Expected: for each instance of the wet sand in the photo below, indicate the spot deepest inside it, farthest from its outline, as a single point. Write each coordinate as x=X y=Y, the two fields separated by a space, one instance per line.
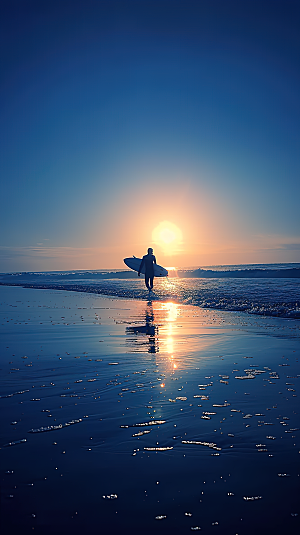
x=133 y=416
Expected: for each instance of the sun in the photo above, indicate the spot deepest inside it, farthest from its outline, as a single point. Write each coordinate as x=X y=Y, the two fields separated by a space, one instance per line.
x=168 y=237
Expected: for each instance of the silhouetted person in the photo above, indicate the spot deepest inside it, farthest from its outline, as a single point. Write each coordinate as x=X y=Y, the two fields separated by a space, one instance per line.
x=148 y=261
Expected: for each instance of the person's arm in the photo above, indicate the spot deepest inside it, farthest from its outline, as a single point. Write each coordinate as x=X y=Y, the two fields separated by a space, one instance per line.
x=141 y=266
x=154 y=260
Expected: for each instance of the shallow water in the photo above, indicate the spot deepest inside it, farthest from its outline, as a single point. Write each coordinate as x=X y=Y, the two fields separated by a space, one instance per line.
x=277 y=296
x=121 y=415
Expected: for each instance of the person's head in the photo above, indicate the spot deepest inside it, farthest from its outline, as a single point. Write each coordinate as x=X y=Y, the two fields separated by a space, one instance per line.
x=150 y=250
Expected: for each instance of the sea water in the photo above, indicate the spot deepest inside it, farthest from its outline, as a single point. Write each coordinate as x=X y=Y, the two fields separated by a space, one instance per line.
x=264 y=289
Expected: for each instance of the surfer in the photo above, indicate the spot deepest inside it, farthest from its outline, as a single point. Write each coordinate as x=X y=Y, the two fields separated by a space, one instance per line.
x=148 y=261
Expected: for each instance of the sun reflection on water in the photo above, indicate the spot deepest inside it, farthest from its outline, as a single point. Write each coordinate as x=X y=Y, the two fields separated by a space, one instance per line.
x=171 y=312
x=169 y=332
x=156 y=330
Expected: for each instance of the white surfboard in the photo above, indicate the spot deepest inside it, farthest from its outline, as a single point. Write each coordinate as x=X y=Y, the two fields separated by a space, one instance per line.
x=134 y=263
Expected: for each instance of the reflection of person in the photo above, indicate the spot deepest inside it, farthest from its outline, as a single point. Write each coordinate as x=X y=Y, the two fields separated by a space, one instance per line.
x=148 y=261
x=138 y=333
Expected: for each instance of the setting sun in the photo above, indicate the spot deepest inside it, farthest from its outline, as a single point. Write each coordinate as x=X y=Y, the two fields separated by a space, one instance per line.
x=168 y=237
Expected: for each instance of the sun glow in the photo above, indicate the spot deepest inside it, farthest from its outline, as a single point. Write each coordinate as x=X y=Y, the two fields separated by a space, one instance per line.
x=168 y=237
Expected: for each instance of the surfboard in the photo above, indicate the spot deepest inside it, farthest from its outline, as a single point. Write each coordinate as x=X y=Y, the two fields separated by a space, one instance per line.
x=134 y=263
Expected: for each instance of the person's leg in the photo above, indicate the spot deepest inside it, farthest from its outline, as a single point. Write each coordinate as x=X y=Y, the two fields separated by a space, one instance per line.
x=147 y=282
x=151 y=283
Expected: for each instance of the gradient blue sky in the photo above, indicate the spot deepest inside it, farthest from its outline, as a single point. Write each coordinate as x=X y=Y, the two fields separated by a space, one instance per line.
x=118 y=115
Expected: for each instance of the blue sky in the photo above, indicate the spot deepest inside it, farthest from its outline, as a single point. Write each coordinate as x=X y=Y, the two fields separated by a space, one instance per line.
x=119 y=115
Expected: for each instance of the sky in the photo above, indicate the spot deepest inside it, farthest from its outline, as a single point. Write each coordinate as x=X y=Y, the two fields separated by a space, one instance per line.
x=171 y=124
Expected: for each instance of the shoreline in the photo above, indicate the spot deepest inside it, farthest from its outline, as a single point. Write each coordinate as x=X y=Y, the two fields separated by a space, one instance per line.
x=169 y=404
x=94 y=290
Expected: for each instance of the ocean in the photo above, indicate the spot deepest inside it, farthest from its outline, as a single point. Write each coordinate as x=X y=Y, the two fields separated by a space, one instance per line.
x=263 y=289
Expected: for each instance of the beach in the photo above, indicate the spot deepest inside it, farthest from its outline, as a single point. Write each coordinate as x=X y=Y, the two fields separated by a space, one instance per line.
x=123 y=415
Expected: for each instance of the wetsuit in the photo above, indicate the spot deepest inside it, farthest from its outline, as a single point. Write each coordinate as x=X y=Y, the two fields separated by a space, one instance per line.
x=148 y=261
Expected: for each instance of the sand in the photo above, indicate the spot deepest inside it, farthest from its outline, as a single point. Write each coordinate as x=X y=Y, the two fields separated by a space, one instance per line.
x=133 y=416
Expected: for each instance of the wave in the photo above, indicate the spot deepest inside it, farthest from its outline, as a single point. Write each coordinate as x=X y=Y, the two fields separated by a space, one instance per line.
x=270 y=290
x=250 y=273
x=267 y=301
x=236 y=271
